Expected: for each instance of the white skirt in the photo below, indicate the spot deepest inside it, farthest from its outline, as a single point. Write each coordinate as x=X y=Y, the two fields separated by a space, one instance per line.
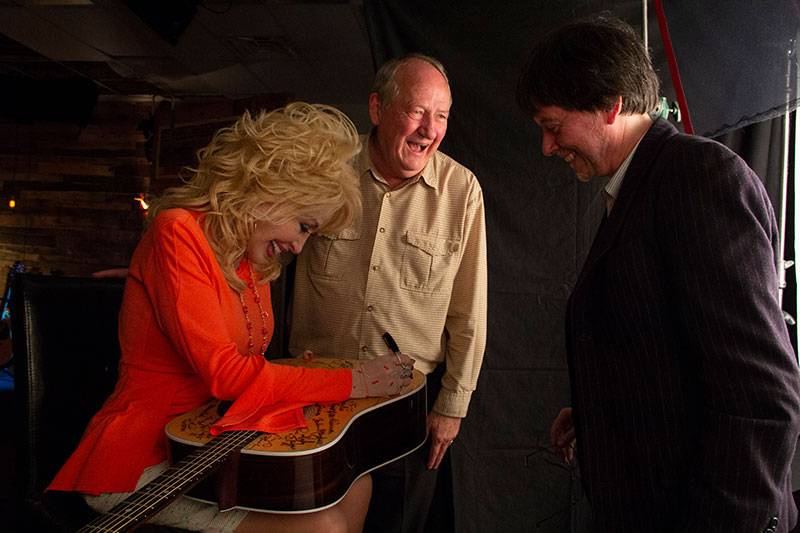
x=183 y=513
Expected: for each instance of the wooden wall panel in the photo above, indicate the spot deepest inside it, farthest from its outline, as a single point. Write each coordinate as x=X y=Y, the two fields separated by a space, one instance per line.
x=74 y=189
x=180 y=131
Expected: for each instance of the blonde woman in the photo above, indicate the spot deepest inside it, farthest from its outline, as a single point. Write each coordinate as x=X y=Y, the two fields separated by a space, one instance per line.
x=196 y=315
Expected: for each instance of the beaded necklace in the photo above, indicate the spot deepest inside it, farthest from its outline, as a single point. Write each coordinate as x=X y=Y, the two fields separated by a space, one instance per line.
x=264 y=331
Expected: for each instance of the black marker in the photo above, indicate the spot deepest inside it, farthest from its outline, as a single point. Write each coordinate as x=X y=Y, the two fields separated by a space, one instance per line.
x=407 y=369
x=387 y=338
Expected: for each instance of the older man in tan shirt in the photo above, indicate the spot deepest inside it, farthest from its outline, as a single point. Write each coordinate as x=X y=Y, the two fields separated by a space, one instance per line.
x=415 y=266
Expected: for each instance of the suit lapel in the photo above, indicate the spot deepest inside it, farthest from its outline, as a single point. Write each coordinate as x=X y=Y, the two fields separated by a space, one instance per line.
x=638 y=172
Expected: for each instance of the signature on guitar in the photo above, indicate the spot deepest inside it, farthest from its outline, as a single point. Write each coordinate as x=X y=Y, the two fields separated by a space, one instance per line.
x=310 y=468
x=296 y=471
x=325 y=422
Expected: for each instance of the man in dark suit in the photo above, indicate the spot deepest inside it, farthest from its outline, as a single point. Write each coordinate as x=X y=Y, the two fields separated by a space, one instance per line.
x=685 y=389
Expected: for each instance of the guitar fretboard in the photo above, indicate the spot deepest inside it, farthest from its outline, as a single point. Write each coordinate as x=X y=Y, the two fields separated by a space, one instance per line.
x=174 y=481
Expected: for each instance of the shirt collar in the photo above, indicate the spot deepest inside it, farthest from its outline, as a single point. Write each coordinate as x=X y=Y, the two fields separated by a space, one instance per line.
x=428 y=174
x=612 y=187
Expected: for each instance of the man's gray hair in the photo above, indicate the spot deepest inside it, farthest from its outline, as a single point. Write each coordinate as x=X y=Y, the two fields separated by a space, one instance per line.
x=385 y=84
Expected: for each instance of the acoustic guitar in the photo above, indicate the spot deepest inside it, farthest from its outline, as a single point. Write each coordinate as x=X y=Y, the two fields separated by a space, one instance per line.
x=297 y=471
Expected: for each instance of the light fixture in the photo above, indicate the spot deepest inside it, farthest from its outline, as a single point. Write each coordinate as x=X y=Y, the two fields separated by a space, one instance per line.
x=142 y=202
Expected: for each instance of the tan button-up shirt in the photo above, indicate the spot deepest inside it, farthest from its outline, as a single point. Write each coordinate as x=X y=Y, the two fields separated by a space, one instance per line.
x=415 y=267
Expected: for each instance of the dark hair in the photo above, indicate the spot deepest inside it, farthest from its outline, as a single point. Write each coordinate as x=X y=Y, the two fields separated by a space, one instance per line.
x=585 y=66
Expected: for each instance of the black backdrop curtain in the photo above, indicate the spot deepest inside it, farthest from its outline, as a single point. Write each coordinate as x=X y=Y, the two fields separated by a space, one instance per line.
x=540 y=223
x=737 y=59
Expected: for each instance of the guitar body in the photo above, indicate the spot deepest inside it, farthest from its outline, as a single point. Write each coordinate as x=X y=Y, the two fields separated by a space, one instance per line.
x=310 y=468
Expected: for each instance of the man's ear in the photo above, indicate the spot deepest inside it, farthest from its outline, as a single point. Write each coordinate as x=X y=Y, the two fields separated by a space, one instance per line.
x=374 y=109
x=614 y=111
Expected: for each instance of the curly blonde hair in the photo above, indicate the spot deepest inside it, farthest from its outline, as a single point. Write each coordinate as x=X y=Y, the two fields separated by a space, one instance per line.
x=275 y=167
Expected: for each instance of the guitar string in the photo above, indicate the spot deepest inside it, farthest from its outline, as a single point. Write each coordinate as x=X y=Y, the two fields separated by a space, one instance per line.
x=175 y=477
x=215 y=453
x=207 y=458
x=115 y=519
x=208 y=454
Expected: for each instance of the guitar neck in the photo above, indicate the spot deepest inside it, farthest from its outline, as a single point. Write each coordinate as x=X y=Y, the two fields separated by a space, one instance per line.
x=173 y=482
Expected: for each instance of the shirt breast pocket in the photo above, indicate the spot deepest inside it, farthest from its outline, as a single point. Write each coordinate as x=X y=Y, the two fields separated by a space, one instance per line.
x=429 y=262
x=329 y=257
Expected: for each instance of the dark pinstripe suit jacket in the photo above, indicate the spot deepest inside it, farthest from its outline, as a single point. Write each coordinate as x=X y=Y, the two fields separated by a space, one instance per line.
x=684 y=382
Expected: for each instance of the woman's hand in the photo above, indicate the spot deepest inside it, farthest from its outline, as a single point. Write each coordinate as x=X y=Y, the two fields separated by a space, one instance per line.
x=385 y=375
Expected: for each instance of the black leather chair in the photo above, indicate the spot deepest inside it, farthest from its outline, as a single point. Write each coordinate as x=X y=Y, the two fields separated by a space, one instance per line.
x=64 y=340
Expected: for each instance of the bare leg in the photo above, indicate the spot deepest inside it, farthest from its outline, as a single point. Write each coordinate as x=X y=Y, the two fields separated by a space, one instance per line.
x=354 y=505
x=347 y=516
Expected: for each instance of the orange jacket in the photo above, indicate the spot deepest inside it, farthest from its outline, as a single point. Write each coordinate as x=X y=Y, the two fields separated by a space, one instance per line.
x=184 y=340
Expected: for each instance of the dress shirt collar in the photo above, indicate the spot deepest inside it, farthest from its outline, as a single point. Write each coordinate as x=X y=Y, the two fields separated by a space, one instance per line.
x=365 y=162
x=611 y=189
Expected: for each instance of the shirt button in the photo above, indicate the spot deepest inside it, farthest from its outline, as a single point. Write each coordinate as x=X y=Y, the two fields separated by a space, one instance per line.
x=363 y=348
x=382 y=230
x=387 y=195
x=374 y=267
x=370 y=308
